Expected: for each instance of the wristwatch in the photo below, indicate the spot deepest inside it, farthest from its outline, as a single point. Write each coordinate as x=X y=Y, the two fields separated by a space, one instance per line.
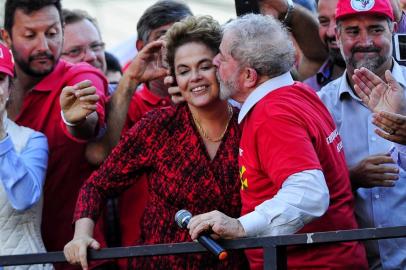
x=288 y=16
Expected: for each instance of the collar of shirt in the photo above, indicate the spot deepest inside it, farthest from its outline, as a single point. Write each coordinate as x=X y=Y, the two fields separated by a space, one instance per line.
x=345 y=88
x=262 y=90
x=150 y=97
x=323 y=76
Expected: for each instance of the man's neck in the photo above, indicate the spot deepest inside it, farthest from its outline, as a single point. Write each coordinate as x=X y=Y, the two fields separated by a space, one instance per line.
x=24 y=81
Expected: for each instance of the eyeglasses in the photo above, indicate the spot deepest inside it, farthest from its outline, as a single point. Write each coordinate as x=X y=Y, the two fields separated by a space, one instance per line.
x=81 y=50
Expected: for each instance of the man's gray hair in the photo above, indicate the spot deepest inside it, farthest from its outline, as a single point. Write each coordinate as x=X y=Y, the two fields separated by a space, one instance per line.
x=262 y=43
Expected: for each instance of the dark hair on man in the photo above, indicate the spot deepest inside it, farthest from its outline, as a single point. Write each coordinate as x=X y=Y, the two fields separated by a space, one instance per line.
x=159 y=14
x=112 y=62
x=77 y=15
x=27 y=6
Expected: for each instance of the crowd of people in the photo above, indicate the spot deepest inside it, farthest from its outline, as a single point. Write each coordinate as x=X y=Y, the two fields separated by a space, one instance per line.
x=289 y=121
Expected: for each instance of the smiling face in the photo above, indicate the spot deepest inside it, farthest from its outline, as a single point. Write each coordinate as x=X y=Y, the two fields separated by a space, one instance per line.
x=36 y=40
x=196 y=74
x=327 y=26
x=366 y=41
x=83 y=43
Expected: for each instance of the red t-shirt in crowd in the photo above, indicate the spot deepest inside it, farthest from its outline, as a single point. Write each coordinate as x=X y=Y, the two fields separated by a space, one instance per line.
x=67 y=166
x=286 y=132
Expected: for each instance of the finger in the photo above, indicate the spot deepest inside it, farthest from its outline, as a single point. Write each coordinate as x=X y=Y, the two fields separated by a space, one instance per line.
x=369 y=78
x=94 y=244
x=68 y=253
x=85 y=91
x=393 y=138
x=90 y=98
x=392 y=82
x=169 y=81
x=383 y=183
x=83 y=84
x=89 y=107
x=380 y=159
x=392 y=117
x=82 y=255
x=362 y=94
x=151 y=48
x=386 y=169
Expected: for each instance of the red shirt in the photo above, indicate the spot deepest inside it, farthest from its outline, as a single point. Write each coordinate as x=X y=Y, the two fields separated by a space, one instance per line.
x=143 y=101
x=286 y=132
x=67 y=166
x=166 y=145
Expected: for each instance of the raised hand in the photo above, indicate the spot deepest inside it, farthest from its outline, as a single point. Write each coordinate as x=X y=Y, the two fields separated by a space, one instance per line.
x=173 y=90
x=377 y=94
x=148 y=64
x=78 y=101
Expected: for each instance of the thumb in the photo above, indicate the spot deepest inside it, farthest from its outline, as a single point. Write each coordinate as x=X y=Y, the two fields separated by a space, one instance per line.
x=94 y=244
x=390 y=79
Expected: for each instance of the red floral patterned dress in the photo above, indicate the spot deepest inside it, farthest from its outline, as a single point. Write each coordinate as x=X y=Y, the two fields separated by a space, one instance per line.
x=166 y=145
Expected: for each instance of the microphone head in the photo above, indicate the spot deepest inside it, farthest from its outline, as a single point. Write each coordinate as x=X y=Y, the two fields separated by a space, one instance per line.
x=182 y=218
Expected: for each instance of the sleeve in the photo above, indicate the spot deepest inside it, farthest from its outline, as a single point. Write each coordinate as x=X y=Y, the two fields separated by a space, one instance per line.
x=303 y=197
x=23 y=175
x=285 y=147
x=133 y=156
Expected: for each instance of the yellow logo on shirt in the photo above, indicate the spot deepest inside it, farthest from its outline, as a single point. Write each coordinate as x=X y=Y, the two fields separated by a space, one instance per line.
x=244 y=182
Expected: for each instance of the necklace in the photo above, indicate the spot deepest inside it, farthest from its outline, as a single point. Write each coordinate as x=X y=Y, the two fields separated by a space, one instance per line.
x=204 y=133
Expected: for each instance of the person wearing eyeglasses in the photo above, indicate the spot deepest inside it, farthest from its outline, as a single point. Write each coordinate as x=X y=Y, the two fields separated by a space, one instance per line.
x=82 y=39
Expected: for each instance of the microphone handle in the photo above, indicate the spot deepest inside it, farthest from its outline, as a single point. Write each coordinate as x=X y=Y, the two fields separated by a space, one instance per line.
x=213 y=247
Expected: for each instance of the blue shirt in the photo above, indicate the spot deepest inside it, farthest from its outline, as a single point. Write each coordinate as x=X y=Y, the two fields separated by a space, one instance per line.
x=22 y=175
x=378 y=206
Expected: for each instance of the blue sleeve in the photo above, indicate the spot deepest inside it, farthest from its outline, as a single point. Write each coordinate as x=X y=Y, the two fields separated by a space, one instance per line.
x=22 y=175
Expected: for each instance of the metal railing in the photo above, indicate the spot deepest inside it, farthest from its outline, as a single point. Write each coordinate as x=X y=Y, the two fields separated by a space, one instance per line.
x=274 y=247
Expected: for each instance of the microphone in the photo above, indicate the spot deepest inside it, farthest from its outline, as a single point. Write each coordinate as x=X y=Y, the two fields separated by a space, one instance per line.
x=183 y=217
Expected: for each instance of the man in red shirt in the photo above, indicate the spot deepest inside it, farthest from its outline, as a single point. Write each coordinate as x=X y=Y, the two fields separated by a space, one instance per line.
x=33 y=31
x=292 y=167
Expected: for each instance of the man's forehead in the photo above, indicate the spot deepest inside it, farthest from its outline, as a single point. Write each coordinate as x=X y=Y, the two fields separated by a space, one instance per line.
x=48 y=15
x=365 y=18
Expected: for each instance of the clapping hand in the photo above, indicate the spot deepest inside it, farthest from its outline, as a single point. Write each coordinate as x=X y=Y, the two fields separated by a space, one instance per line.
x=386 y=99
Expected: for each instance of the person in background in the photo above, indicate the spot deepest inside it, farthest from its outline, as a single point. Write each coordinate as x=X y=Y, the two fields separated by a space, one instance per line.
x=82 y=39
x=64 y=101
x=23 y=163
x=292 y=167
x=189 y=153
x=364 y=34
x=113 y=71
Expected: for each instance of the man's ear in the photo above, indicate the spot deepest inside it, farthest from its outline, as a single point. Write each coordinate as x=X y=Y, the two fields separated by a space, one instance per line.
x=6 y=37
x=139 y=44
x=250 y=77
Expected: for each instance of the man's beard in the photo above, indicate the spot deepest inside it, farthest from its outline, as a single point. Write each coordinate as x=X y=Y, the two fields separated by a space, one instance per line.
x=26 y=66
x=227 y=88
x=335 y=56
x=373 y=63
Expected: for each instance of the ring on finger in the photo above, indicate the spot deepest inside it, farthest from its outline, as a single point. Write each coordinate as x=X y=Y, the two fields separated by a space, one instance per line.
x=391 y=131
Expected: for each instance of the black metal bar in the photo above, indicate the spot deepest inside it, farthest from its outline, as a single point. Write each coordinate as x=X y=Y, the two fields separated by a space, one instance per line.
x=244 y=243
x=270 y=258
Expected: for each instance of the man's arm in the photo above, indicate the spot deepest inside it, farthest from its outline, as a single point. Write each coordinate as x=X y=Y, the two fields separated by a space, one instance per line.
x=144 y=67
x=303 y=197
